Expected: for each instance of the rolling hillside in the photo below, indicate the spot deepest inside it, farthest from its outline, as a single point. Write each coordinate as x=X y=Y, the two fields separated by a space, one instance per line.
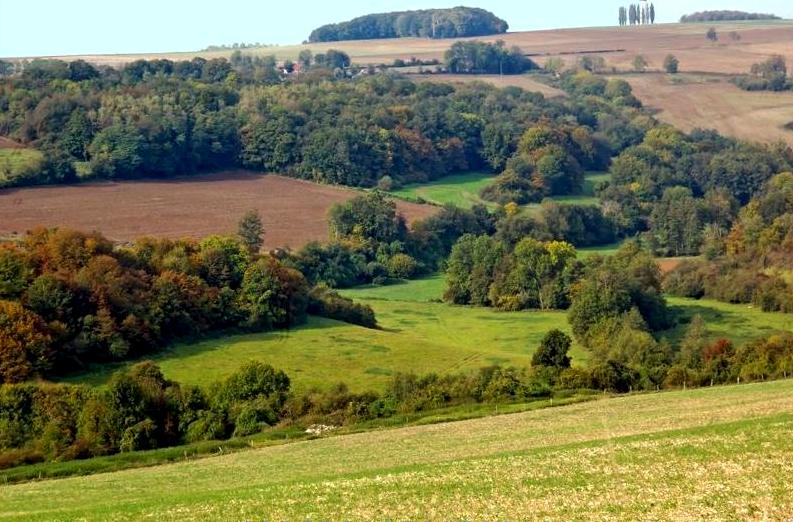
x=717 y=454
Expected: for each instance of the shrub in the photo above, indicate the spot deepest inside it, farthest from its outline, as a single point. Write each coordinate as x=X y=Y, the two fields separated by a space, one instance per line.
x=402 y=266
x=324 y=302
x=671 y=64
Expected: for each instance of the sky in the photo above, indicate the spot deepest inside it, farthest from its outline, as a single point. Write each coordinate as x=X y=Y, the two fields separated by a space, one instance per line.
x=63 y=27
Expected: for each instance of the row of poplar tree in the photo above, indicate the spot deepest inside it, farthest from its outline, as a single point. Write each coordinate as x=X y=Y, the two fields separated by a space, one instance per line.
x=637 y=14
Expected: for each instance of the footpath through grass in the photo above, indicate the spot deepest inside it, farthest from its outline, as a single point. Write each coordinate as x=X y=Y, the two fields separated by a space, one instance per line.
x=708 y=454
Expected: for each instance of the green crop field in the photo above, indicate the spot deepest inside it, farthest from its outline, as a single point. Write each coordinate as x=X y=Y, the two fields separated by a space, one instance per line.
x=708 y=454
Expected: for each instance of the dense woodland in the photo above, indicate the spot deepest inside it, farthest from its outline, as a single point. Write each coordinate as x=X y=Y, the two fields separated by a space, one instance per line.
x=429 y=23
x=725 y=16
x=70 y=299
x=163 y=119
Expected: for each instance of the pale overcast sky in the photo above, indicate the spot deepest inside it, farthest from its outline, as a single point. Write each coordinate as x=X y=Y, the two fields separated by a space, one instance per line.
x=59 y=27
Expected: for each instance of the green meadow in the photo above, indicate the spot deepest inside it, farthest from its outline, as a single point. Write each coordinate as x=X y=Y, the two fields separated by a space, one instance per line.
x=461 y=190
x=415 y=335
x=718 y=453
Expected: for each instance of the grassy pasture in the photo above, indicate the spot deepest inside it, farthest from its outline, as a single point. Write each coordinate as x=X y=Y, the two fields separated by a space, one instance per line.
x=737 y=322
x=416 y=336
x=709 y=454
x=461 y=190
x=419 y=334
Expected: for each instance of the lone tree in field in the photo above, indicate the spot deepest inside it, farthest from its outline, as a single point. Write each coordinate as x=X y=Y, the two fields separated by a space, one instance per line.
x=251 y=231
x=640 y=63
x=712 y=35
x=671 y=64
x=652 y=13
x=553 y=350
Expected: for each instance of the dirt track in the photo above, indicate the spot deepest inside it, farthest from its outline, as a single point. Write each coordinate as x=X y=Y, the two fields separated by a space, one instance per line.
x=293 y=211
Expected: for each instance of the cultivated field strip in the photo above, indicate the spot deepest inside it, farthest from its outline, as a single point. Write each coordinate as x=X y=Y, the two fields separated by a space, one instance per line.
x=709 y=454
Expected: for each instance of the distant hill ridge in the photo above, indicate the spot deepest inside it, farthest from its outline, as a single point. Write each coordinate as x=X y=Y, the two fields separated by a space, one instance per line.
x=429 y=23
x=725 y=16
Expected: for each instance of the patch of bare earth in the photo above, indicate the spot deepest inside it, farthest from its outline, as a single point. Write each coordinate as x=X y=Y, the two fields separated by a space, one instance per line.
x=294 y=212
x=522 y=81
x=6 y=143
x=697 y=101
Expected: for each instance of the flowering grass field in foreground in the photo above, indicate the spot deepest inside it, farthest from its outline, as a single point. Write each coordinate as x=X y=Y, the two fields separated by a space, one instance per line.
x=710 y=454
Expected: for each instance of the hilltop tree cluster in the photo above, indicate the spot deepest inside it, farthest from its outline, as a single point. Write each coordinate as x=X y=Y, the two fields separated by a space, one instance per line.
x=637 y=14
x=457 y=22
x=725 y=16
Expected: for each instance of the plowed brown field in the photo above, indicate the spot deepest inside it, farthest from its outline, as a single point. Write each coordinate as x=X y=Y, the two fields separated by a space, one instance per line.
x=294 y=212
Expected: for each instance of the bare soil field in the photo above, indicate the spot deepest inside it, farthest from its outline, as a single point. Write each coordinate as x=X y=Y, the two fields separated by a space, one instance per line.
x=696 y=101
x=523 y=81
x=618 y=45
x=293 y=211
x=6 y=143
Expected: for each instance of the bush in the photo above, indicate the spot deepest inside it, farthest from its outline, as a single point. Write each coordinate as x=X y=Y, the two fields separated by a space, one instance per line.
x=208 y=426
x=402 y=266
x=324 y=302
x=671 y=64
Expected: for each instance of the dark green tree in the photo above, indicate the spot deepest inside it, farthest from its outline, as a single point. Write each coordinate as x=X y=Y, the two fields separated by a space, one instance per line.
x=251 y=231
x=552 y=351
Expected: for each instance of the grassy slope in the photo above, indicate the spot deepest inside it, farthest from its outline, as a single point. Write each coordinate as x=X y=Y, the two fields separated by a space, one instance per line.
x=739 y=323
x=416 y=336
x=463 y=191
x=720 y=453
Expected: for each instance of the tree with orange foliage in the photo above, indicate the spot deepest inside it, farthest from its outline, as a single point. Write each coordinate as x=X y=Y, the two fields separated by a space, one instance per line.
x=24 y=343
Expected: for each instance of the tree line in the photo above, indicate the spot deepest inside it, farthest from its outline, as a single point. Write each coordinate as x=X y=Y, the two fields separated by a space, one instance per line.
x=725 y=16
x=474 y=57
x=70 y=299
x=748 y=262
x=162 y=118
x=637 y=14
x=457 y=22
